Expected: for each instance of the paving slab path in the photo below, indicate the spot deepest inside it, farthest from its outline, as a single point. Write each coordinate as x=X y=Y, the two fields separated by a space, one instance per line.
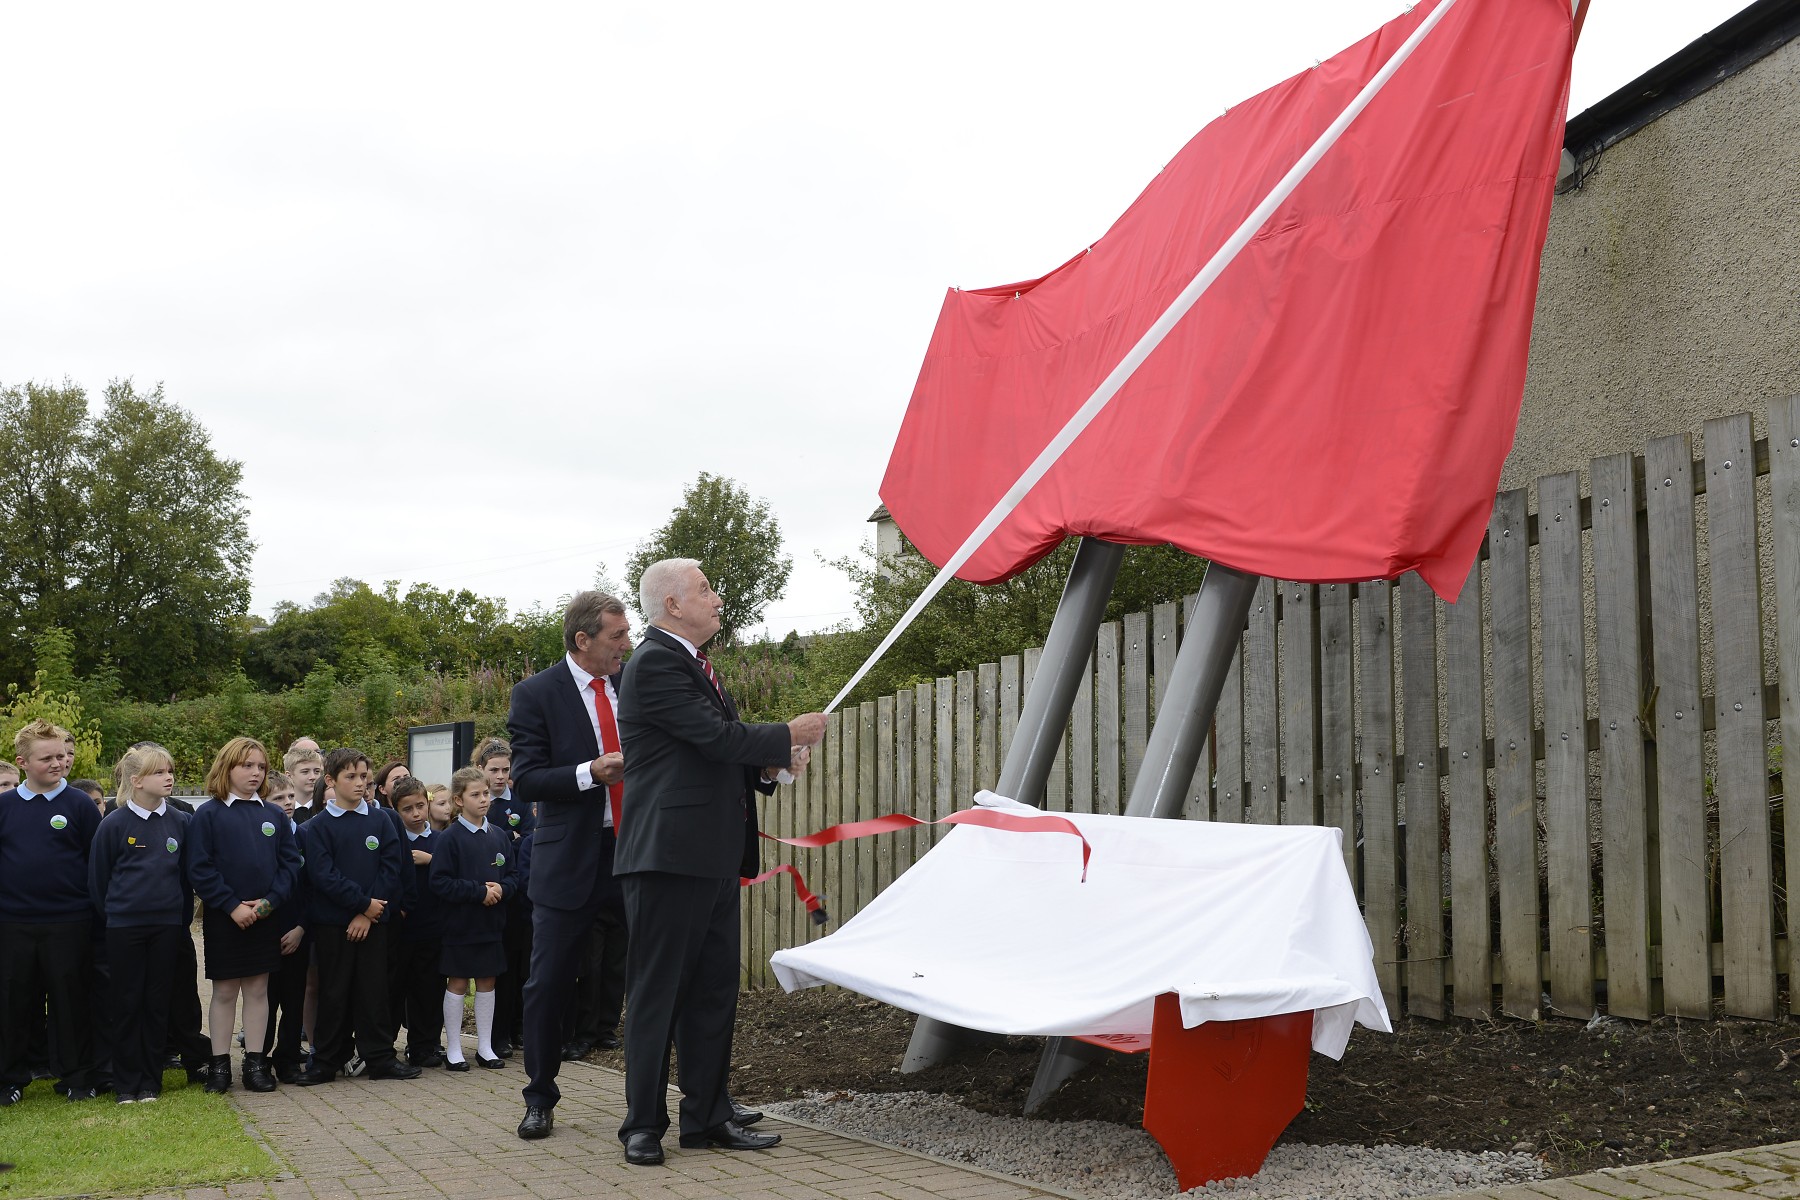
x=1767 y=1171
x=449 y=1134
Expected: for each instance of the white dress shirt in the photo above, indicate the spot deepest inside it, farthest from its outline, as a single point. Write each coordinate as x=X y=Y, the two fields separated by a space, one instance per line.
x=584 y=772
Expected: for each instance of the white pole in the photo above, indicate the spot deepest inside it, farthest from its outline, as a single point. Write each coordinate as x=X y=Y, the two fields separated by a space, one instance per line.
x=1152 y=337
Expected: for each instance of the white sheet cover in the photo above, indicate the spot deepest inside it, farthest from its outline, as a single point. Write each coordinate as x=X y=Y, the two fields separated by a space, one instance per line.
x=995 y=931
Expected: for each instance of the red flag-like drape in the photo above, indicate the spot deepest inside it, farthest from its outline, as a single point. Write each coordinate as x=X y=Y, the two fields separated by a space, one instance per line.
x=1338 y=405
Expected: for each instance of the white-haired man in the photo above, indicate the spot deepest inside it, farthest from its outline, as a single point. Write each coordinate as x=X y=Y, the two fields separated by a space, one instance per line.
x=688 y=834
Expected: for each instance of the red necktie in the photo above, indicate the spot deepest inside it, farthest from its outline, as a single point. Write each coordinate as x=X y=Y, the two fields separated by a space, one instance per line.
x=609 y=743
x=712 y=676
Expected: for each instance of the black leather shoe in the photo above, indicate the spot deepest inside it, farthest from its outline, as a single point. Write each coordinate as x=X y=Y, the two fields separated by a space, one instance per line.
x=393 y=1068
x=729 y=1135
x=608 y=1041
x=491 y=1064
x=644 y=1150
x=287 y=1073
x=218 y=1074
x=456 y=1066
x=576 y=1051
x=256 y=1074
x=313 y=1076
x=536 y=1124
x=744 y=1117
x=503 y=1048
x=431 y=1058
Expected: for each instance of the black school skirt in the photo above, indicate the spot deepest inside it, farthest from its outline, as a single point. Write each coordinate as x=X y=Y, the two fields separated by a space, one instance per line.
x=233 y=953
x=474 y=960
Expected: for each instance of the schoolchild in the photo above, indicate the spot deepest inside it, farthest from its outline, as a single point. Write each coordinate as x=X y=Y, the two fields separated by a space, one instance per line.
x=243 y=863
x=287 y=983
x=46 y=916
x=516 y=818
x=138 y=881
x=353 y=868
x=441 y=807
x=95 y=792
x=303 y=765
x=473 y=873
x=415 y=985
x=186 y=1046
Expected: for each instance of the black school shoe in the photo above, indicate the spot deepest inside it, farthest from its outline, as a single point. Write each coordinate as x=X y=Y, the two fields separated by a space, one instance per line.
x=457 y=1066
x=392 y=1068
x=492 y=1064
x=315 y=1075
x=428 y=1059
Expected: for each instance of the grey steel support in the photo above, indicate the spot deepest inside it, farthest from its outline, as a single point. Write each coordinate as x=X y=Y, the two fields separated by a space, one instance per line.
x=1041 y=727
x=1189 y=700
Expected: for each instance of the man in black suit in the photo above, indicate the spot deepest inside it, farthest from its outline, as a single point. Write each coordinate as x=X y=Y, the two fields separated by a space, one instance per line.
x=566 y=761
x=690 y=833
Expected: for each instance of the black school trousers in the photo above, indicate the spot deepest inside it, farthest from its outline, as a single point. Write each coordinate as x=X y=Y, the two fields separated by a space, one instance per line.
x=287 y=1002
x=144 y=960
x=416 y=994
x=353 y=997
x=51 y=960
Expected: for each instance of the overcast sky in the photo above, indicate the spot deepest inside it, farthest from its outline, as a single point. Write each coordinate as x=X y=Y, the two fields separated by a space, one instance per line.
x=473 y=291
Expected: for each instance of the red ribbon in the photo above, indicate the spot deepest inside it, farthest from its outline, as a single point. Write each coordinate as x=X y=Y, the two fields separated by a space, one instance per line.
x=989 y=818
x=801 y=893
x=986 y=817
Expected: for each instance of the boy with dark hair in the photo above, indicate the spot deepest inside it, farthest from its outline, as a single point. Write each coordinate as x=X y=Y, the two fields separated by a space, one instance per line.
x=353 y=866
x=415 y=984
x=46 y=915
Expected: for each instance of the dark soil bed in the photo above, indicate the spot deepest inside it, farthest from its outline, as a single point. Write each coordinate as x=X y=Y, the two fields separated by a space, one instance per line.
x=1622 y=1093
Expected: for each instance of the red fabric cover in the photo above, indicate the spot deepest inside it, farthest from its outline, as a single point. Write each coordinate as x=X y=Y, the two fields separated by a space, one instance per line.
x=1339 y=404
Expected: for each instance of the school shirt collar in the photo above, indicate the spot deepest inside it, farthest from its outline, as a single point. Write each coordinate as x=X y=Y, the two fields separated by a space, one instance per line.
x=481 y=828
x=416 y=837
x=26 y=793
x=332 y=809
x=233 y=798
x=146 y=813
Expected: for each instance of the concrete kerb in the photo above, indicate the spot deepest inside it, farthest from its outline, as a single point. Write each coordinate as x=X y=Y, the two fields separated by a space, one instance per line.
x=945 y=1162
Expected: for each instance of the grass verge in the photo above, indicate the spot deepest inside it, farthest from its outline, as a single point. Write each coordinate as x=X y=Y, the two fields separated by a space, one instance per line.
x=188 y=1138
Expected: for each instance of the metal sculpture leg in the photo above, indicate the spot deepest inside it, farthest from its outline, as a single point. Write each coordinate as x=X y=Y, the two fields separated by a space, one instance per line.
x=1189 y=700
x=1041 y=727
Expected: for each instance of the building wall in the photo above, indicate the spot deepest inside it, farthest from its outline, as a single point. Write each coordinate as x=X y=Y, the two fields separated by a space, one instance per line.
x=1671 y=279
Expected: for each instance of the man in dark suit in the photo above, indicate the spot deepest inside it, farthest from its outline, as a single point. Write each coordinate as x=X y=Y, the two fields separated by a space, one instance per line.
x=690 y=833
x=566 y=761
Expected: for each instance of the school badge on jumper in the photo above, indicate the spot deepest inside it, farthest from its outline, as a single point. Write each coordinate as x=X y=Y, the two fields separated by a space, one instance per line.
x=268 y=829
x=171 y=845
x=499 y=860
x=131 y=841
x=372 y=842
x=59 y=822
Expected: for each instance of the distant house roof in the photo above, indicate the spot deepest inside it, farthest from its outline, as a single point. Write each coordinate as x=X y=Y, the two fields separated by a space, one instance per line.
x=1754 y=33
x=881 y=514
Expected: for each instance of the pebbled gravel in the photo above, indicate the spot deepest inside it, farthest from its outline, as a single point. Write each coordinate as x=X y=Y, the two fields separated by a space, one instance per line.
x=1095 y=1158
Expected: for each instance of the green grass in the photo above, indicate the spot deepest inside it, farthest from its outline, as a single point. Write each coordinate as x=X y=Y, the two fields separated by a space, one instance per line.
x=97 y=1147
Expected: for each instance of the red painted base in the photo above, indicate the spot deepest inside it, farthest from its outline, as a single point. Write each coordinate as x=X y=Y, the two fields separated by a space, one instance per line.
x=1221 y=1093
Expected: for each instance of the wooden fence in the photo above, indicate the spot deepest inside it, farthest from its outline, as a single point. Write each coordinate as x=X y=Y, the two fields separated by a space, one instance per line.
x=1559 y=794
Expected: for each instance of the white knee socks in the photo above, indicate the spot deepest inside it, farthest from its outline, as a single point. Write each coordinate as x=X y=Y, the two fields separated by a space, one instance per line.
x=453 y=1019
x=484 y=1024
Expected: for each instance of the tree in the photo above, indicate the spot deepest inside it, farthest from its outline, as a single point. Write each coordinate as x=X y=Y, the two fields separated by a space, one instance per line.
x=737 y=542
x=127 y=530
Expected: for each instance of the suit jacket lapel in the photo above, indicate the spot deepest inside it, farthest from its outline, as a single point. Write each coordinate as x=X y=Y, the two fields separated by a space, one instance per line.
x=579 y=701
x=693 y=664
